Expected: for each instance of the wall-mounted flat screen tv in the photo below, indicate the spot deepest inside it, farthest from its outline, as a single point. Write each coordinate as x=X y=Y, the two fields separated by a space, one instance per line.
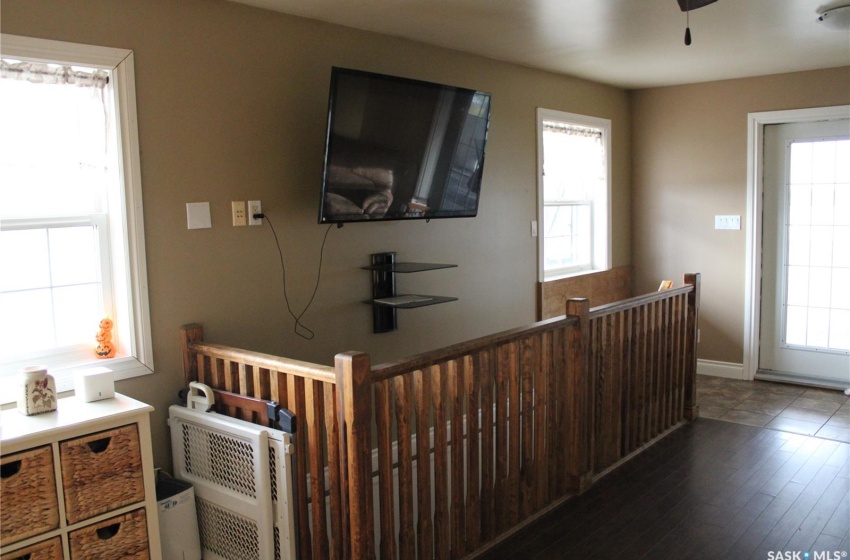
x=399 y=149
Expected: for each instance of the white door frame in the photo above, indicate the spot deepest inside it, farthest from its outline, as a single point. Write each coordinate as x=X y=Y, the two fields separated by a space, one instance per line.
x=755 y=188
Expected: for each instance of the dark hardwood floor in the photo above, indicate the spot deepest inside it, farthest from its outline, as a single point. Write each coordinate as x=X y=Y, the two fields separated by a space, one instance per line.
x=709 y=490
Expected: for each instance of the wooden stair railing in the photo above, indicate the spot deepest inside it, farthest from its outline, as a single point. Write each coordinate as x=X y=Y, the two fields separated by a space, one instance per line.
x=514 y=423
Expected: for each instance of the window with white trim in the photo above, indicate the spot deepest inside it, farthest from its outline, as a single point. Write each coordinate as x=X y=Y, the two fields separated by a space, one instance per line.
x=71 y=227
x=574 y=193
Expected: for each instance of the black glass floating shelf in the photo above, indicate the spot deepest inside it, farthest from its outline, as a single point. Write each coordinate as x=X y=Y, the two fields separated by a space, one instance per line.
x=432 y=300
x=404 y=267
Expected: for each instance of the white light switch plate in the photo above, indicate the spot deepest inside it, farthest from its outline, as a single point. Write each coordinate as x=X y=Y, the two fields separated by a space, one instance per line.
x=198 y=215
x=727 y=222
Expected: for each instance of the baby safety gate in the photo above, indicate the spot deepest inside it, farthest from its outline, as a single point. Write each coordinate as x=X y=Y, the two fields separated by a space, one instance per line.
x=242 y=479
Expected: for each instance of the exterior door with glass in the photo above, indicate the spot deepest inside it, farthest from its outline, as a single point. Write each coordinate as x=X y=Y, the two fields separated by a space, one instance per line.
x=805 y=309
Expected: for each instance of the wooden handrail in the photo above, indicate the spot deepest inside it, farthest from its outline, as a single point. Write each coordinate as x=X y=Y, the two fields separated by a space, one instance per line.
x=307 y=370
x=394 y=368
x=618 y=306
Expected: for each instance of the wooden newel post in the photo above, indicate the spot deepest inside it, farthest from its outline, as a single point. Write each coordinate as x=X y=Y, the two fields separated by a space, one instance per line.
x=189 y=334
x=579 y=398
x=691 y=405
x=354 y=411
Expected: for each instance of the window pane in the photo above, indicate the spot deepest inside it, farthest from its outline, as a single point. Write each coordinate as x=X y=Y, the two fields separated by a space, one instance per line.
x=73 y=255
x=839 y=329
x=24 y=259
x=573 y=165
x=798 y=285
x=842 y=204
x=798 y=245
x=823 y=162
x=78 y=310
x=841 y=288
x=841 y=247
x=821 y=246
x=799 y=213
x=26 y=322
x=822 y=203
x=817 y=332
x=820 y=279
x=52 y=149
x=801 y=162
x=567 y=238
x=842 y=161
x=796 y=326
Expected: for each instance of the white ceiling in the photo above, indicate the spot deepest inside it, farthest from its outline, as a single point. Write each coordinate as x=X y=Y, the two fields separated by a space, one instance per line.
x=626 y=43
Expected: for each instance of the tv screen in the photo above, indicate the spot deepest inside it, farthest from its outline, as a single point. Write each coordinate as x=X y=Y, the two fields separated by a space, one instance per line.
x=400 y=149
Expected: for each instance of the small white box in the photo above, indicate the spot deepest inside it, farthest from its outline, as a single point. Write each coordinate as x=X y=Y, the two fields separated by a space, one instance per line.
x=94 y=384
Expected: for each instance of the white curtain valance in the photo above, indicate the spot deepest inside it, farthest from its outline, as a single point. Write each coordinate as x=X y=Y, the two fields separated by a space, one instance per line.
x=572 y=129
x=37 y=72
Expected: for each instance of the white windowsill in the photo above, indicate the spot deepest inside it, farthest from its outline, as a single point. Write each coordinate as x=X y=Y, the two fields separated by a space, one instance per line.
x=574 y=274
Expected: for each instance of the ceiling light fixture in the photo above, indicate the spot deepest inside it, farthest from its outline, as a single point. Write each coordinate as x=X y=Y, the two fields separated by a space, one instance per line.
x=836 y=18
x=688 y=5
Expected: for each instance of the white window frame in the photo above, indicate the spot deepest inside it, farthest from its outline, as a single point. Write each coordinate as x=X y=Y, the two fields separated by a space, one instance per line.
x=600 y=205
x=126 y=218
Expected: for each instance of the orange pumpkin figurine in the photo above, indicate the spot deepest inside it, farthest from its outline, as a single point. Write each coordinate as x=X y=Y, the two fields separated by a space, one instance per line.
x=105 y=348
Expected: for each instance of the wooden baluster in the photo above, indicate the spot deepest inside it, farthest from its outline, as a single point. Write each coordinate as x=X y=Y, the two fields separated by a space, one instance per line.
x=332 y=439
x=500 y=490
x=597 y=374
x=579 y=391
x=617 y=376
x=314 y=408
x=203 y=369
x=527 y=365
x=383 y=407
x=555 y=428
x=454 y=396
x=471 y=376
x=656 y=367
x=677 y=359
x=442 y=541
x=238 y=371
x=629 y=413
x=542 y=435
x=665 y=310
x=612 y=401
x=403 y=385
x=297 y=405
x=485 y=363
x=425 y=527
x=637 y=375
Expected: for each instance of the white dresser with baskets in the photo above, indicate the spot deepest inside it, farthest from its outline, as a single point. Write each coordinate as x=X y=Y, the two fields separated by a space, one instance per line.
x=78 y=483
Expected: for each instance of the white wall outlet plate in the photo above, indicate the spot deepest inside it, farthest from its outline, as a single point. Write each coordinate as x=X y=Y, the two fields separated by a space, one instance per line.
x=727 y=222
x=237 y=208
x=254 y=207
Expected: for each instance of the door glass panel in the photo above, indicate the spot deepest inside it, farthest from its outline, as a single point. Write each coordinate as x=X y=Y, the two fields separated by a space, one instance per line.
x=817 y=264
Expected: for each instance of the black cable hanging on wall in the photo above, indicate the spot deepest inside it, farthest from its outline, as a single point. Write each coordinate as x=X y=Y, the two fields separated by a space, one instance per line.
x=307 y=333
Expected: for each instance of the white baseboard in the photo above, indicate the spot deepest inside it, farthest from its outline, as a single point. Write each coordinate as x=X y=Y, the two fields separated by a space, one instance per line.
x=720 y=369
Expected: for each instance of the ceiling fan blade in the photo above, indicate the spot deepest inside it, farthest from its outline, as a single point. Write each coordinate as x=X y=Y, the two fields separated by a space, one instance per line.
x=691 y=5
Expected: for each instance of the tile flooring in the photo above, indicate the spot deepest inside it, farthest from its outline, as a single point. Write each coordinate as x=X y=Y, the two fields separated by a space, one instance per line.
x=822 y=413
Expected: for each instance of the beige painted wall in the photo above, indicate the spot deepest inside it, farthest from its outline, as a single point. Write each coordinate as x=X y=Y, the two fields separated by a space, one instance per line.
x=232 y=103
x=689 y=163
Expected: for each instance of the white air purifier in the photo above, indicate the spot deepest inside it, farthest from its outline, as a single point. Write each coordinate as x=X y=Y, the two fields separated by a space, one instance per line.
x=178 y=520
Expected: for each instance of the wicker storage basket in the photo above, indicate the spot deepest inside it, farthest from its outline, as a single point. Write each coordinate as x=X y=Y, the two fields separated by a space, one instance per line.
x=28 y=503
x=50 y=549
x=101 y=472
x=124 y=536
